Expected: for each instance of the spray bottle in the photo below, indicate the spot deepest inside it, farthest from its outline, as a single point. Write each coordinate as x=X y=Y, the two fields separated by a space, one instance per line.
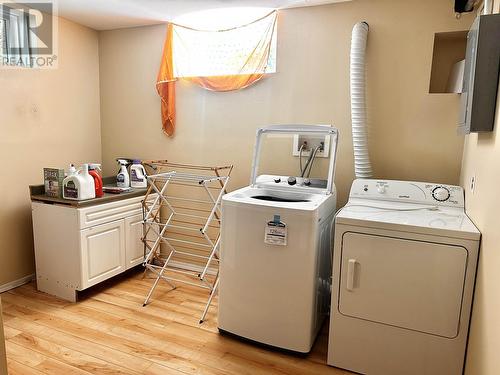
x=123 y=178
x=93 y=167
x=138 y=175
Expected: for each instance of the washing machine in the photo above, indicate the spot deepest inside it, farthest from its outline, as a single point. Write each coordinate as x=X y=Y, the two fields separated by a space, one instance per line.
x=405 y=258
x=275 y=258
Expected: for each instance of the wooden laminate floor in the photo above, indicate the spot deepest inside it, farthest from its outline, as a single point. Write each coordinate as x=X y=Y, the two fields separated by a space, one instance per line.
x=109 y=332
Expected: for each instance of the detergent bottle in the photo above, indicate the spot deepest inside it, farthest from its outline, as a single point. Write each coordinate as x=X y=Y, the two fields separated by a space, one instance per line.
x=88 y=187
x=138 y=175
x=71 y=184
x=123 y=178
x=93 y=168
x=79 y=184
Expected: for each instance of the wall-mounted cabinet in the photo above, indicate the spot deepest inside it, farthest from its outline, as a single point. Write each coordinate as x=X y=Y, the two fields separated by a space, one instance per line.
x=480 y=84
x=447 y=62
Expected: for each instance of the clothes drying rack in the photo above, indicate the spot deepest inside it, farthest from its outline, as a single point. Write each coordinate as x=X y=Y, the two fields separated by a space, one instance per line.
x=188 y=227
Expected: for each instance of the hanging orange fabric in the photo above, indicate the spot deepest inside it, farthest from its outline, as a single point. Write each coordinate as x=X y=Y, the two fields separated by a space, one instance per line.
x=246 y=65
x=226 y=83
x=165 y=85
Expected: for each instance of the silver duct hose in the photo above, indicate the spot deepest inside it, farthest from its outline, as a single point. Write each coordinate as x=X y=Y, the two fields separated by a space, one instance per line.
x=362 y=165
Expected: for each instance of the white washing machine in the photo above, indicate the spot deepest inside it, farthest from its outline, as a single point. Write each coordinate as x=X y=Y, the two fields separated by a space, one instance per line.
x=275 y=260
x=405 y=258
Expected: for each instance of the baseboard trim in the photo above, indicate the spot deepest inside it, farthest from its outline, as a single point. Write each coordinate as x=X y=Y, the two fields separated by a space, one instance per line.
x=14 y=284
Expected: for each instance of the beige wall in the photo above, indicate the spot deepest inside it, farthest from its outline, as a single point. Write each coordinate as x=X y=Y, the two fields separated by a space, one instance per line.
x=449 y=48
x=3 y=360
x=48 y=119
x=413 y=133
x=481 y=159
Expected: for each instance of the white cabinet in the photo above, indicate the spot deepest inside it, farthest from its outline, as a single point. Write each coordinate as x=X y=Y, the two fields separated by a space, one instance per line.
x=134 y=247
x=102 y=252
x=3 y=357
x=78 y=247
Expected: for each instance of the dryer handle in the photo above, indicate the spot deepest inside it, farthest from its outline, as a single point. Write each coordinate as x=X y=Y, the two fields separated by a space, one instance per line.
x=351 y=270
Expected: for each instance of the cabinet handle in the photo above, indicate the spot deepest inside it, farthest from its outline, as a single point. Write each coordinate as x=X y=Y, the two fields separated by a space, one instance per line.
x=351 y=269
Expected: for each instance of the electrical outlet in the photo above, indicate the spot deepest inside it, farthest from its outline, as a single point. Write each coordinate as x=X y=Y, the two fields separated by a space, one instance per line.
x=309 y=143
x=473 y=183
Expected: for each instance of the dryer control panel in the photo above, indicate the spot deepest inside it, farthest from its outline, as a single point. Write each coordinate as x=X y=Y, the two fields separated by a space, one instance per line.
x=408 y=191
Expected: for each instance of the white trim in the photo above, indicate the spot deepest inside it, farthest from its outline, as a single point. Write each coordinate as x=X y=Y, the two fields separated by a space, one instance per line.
x=14 y=284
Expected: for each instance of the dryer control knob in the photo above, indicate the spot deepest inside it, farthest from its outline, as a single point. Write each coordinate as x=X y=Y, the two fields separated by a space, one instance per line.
x=277 y=180
x=381 y=189
x=440 y=193
x=292 y=180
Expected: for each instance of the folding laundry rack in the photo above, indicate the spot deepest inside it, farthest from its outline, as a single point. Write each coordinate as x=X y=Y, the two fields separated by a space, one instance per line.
x=183 y=213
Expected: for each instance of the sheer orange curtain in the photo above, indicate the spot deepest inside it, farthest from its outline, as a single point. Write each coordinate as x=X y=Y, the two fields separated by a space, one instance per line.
x=249 y=70
x=165 y=84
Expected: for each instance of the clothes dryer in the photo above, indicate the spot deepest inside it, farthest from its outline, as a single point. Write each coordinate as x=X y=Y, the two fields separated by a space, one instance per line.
x=404 y=268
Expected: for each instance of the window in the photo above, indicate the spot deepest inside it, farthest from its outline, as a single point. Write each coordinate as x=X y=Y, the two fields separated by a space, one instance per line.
x=3 y=37
x=15 y=41
x=218 y=59
x=214 y=44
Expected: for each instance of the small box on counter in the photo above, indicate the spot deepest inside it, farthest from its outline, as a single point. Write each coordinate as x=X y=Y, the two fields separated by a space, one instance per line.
x=53 y=181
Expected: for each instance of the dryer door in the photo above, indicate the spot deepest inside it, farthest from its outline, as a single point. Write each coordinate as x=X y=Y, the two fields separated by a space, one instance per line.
x=404 y=283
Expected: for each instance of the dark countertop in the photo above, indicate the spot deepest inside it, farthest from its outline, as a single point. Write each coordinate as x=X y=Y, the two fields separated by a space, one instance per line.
x=37 y=193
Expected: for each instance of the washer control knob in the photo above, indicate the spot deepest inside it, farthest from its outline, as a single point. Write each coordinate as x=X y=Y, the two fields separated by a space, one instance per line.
x=277 y=180
x=307 y=181
x=292 y=180
x=381 y=189
x=440 y=193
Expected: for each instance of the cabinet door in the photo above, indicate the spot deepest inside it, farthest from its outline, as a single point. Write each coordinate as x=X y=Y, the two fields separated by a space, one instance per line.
x=3 y=359
x=134 y=247
x=103 y=252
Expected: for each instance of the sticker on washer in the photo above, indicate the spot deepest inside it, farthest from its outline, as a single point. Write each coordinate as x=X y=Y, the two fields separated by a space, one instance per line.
x=276 y=232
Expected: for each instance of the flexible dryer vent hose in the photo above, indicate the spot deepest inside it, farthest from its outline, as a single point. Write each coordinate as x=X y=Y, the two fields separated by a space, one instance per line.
x=362 y=165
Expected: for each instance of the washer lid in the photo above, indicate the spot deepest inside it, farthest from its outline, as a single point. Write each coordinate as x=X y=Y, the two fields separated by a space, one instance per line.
x=327 y=131
x=408 y=217
x=299 y=200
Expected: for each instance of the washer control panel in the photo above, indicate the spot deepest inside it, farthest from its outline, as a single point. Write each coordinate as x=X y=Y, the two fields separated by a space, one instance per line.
x=408 y=191
x=291 y=181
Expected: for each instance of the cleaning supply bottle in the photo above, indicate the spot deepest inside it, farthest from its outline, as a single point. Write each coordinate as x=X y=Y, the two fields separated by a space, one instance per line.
x=71 y=170
x=71 y=184
x=138 y=175
x=93 y=167
x=79 y=186
x=88 y=190
x=122 y=178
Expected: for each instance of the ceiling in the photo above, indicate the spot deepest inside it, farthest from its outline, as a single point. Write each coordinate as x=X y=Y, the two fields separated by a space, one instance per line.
x=116 y=14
